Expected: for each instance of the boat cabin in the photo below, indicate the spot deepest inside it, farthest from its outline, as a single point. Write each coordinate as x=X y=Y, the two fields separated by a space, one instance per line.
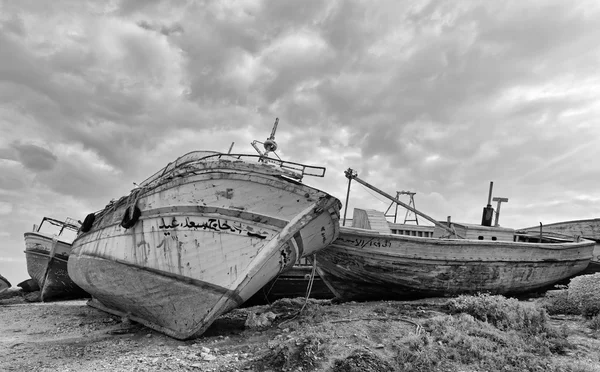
x=412 y=230
x=477 y=232
x=371 y=219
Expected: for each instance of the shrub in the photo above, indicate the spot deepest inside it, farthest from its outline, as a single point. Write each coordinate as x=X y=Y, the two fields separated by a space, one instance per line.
x=307 y=353
x=360 y=361
x=462 y=342
x=503 y=313
x=594 y=323
x=559 y=302
x=584 y=291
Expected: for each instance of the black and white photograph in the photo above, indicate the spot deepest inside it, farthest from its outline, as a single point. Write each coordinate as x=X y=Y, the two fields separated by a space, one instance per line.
x=300 y=185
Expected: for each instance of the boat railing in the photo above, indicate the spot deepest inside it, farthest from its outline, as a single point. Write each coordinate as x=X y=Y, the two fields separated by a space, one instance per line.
x=291 y=169
x=545 y=237
x=68 y=224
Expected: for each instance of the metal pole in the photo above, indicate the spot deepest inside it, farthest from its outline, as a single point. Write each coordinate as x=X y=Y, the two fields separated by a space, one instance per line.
x=499 y=200
x=351 y=174
x=497 y=223
x=396 y=212
x=347 y=196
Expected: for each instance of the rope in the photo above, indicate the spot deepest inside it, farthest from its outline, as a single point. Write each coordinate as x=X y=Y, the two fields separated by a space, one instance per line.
x=308 y=290
x=310 y=282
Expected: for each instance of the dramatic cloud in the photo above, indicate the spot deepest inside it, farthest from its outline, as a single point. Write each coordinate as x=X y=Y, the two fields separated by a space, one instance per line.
x=439 y=98
x=34 y=157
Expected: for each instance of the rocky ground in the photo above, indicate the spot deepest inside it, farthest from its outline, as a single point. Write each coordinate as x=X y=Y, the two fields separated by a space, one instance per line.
x=71 y=336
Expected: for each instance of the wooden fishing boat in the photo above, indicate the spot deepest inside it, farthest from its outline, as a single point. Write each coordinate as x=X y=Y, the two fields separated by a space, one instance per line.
x=586 y=228
x=200 y=237
x=47 y=250
x=29 y=285
x=369 y=262
x=4 y=283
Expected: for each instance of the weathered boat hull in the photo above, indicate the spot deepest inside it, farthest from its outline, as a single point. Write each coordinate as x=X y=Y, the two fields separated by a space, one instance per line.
x=47 y=265
x=589 y=228
x=4 y=283
x=203 y=245
x=366 y=265
x=29 y=285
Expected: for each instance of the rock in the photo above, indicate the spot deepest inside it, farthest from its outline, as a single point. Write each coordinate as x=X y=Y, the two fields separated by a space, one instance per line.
x=260 y=320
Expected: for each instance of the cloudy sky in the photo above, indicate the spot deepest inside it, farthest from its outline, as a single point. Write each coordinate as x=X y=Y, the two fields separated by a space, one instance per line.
x=438 y=98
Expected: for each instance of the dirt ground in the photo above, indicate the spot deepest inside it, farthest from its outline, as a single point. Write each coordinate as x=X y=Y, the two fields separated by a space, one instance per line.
x=71 y=336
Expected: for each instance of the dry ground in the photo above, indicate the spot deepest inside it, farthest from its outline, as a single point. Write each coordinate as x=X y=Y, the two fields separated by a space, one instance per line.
x=71 y=336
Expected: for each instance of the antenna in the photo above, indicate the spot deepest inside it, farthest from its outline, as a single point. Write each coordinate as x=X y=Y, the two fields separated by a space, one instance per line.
x=270 y=145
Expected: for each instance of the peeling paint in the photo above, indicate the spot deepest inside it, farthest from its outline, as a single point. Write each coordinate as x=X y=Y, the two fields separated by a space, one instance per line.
x=228 y=194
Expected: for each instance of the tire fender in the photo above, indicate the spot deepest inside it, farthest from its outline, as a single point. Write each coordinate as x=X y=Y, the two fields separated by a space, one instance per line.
x=127 y=221
x=87 y=223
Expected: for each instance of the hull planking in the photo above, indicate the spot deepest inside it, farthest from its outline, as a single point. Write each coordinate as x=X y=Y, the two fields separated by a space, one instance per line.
x=366 y=265
x=205 y=242
x=46 y=259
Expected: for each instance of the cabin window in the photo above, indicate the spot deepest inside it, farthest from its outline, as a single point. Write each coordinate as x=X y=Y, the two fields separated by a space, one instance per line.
x=480 y=237
x=421 y=233
x=494 y=238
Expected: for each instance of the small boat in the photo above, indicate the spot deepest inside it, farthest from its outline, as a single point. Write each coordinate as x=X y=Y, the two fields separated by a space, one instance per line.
x=376 y=260
x=200 y=237
x=4 y=283
x=29 y=285
x=47 y=250
x=586 y=228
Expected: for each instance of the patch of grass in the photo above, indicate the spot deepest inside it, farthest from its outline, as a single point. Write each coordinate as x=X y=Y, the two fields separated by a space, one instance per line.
x=362 y=361
x=307 y=353
x=503 y=313
x=559 y=302
x=594 y=323
x=462 y=342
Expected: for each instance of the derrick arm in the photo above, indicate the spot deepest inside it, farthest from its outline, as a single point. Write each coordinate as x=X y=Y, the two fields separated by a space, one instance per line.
x=352 y=175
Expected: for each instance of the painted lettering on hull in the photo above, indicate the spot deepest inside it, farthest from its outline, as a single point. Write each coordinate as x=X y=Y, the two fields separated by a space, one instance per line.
x=357 y=242
x=214 y=224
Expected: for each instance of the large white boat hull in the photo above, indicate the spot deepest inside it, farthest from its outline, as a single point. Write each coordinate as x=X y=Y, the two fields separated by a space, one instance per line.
x=203 y=245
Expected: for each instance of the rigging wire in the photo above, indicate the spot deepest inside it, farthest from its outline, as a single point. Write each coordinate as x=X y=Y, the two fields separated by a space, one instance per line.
x=371 y=193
